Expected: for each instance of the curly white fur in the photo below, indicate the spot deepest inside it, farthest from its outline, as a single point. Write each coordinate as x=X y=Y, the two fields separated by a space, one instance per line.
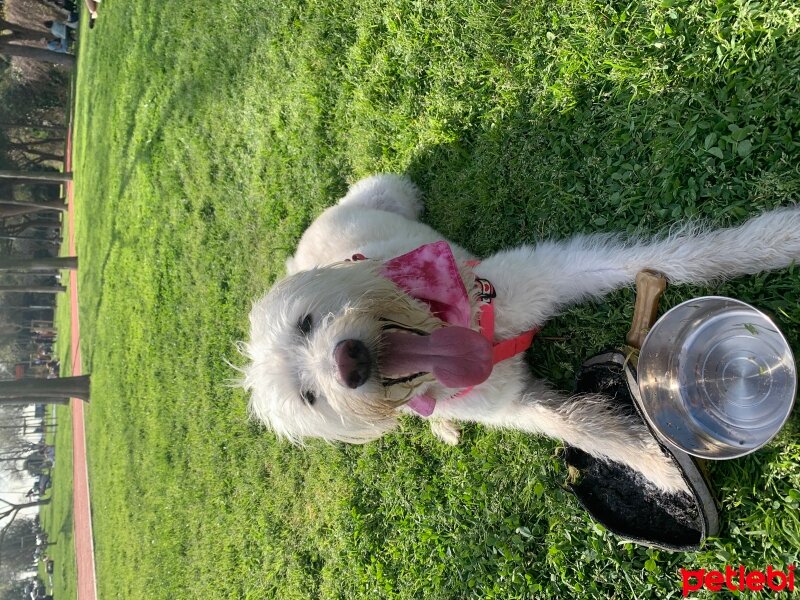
x=377 y=218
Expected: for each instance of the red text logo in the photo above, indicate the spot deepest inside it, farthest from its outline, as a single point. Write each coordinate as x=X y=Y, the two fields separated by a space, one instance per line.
x=738 y=579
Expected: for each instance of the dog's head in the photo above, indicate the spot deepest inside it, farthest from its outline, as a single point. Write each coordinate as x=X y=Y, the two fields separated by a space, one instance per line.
x=319 y=363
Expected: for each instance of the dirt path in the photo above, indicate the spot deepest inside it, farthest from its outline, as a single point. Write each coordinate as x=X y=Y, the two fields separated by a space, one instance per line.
x=84 y=542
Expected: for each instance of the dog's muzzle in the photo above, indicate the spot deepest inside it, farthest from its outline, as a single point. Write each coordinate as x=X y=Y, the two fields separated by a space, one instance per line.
x=353 y=361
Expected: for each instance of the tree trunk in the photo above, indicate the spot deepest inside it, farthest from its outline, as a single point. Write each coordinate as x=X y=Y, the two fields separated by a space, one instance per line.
x=37 y=148
x=25 y=307
x=40 y=156
x=36 y=176
x=42 y=54
x=16 y=327
x=11 y=125
x=43 y=240
x=18 y=228
x=12 y=208
x=72 y=387
x=47 y=263
x=21 y=32
x=24 y=145
x=33 y=289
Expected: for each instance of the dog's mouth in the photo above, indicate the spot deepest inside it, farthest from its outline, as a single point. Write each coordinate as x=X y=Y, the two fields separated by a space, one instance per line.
x=457 y=357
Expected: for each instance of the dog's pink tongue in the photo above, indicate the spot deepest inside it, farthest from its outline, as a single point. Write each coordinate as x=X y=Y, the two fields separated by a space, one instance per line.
x=457 y=356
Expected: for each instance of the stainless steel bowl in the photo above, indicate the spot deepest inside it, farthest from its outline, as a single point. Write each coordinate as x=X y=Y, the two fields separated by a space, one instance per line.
x=717 y=377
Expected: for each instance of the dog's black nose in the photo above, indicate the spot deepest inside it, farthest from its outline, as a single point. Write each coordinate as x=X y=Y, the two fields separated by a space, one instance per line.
x=353 y=361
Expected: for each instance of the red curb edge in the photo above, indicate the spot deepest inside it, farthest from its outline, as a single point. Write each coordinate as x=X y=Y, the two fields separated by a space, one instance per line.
x=82 y=510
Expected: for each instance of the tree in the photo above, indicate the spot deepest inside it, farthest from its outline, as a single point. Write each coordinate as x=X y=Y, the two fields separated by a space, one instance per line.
x=18 y=546
x=33 y=289
x=39 y=156
x=13 y=208
x=11 y=511
x=64 y=387
x=19 y=32
x=13 y=439
x=18 y=450
x=34 y=462
x=40 y=150
x=42 y=239
x=33 y=53
x=36 y=176
x=47 y=263
x=15 y=589
x=36 y=142
x=26 y=125
x=27 y=223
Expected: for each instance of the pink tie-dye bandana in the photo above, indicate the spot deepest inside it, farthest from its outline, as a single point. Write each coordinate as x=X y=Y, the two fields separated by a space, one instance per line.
x=430 y=274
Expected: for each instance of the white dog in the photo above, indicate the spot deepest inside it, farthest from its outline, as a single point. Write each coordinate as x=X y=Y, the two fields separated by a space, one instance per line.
x=352 y=338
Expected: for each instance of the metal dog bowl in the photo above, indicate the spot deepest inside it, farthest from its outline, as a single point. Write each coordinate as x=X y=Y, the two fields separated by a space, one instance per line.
x=717 y=378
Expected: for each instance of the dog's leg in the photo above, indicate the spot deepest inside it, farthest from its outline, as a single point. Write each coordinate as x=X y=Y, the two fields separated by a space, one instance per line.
x=447 y=431
x=593 y=424
x=534 y=282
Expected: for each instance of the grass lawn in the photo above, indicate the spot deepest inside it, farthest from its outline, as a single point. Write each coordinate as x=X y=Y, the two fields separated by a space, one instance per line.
x=209 y=134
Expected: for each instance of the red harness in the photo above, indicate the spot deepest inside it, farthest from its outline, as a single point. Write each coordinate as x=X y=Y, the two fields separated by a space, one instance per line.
x=500 y=350
x=507 y=348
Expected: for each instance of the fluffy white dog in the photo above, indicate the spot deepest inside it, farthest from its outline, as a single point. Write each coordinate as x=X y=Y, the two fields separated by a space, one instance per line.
x=353 y=337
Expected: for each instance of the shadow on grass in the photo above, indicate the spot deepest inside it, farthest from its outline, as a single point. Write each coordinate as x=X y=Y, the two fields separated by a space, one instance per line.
x=635 y=165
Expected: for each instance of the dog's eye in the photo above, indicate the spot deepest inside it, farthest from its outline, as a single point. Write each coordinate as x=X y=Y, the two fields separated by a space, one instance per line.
x=305 y=324
x=308 y=397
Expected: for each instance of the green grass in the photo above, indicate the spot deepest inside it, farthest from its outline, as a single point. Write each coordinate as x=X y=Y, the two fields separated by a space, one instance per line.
x=210 y=134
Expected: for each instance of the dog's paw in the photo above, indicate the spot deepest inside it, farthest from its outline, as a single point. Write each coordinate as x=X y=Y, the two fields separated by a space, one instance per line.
x=391 y=193
x=447 y=431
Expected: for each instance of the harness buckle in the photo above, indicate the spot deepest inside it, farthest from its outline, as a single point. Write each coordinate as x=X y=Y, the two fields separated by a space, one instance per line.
x=487 y=291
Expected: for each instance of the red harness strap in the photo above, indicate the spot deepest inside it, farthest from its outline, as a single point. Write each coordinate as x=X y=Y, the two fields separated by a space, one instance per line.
x=500 y=350
x=507 y=348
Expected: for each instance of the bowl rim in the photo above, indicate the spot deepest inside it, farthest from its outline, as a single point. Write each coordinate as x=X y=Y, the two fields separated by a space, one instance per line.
x=693 y=451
